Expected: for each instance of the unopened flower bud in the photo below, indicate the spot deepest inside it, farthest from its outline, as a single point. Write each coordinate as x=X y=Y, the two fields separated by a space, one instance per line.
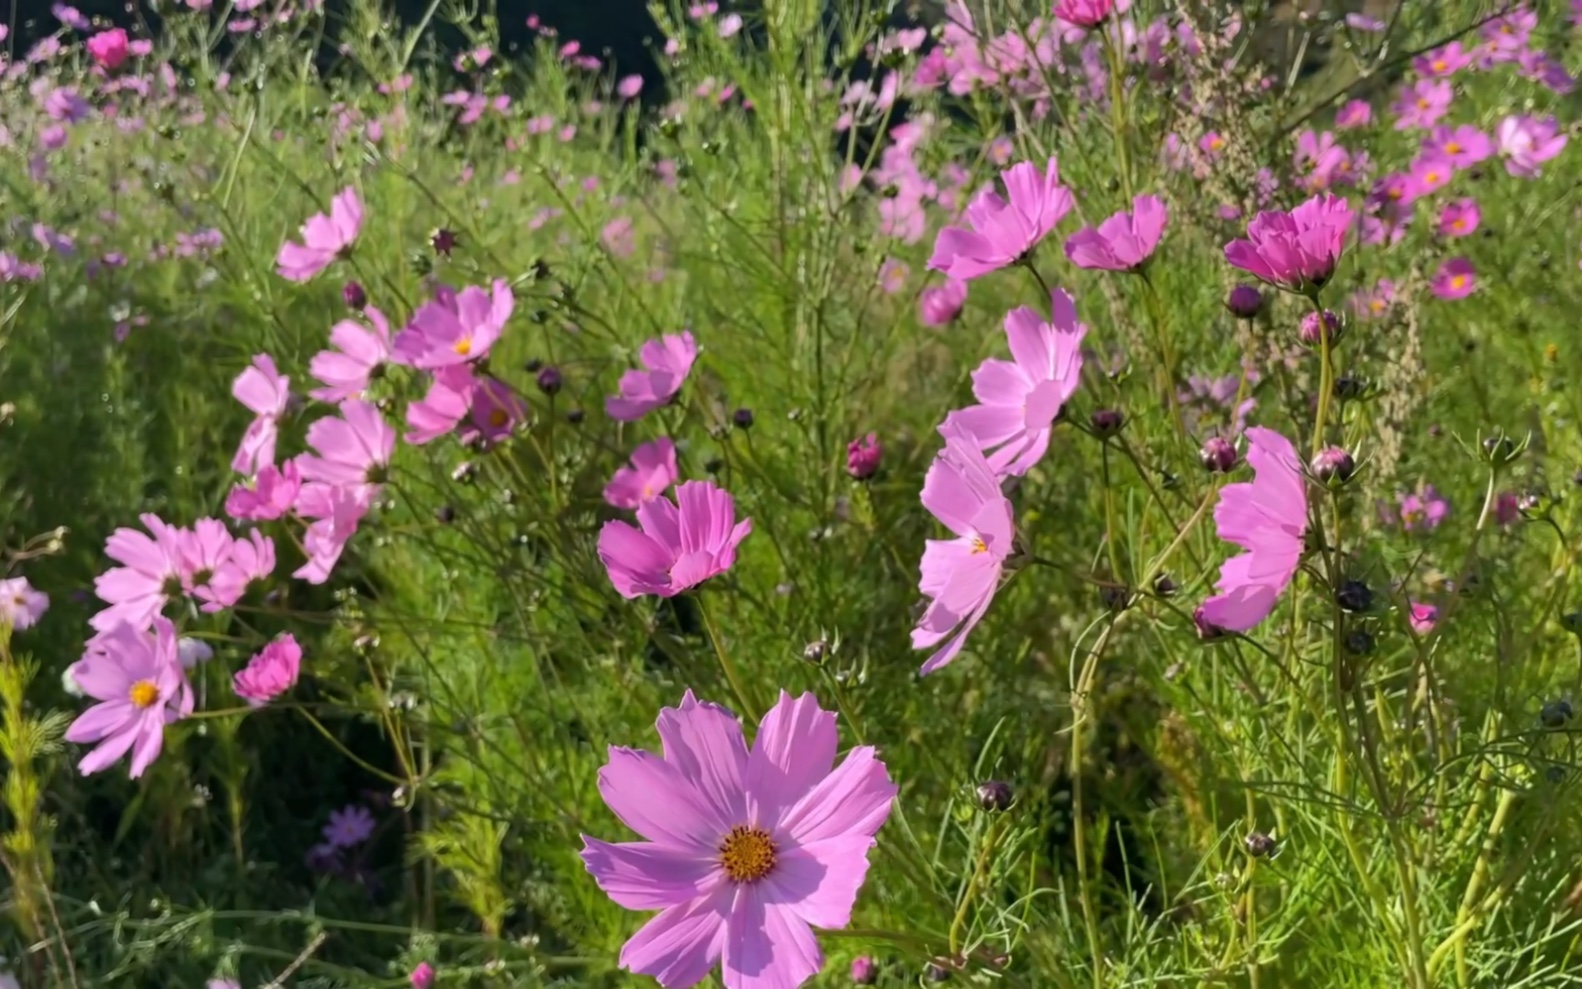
x=549 y=380
x=1165 y=586
x=1354 y=596
x=995 y=795
x=1218 y=455
x=576 y=416
x=445 y=514
x=423 y=976
x=354 y=295
x=864 y=971
x=1359 y=642
x=1555 y=714
x=816 y=652
x=1106 y=423
x=1244 y=302
x=742 y=418
x=1260 y=845
x=935 y=972
x=1572 y=622
x=1501 y=451
x=1333 y=465
x=443 y=241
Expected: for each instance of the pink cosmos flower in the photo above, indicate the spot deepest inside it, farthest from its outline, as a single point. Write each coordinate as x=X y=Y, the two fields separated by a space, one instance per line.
x=1020 y=399
x=1296 y=251
x=152 y=573
x=1084 y=13
x=1423 y=618
x=629 y=87
x=1267 y=517
x=667 y=360
x=443 y=407
x=346 y=371
x=1464 y=146
x=863 y=456
x=455 y=327
x=1455 y=279
x=352 y=449
x=960 y=576
x=271 y=672
x=1356 y=113
x=1428 y=176
x=744 y=850
x=266 y=392
x=1422 y=103
x=493 y=410
x=324 y=238
x=422 y=976
x=1422 y=510
x=269 y=495
x=652 y=472
x=108 y=48
x=1443 y=62
x=676 y=545
x=1460 y=218
x=1001 y=233
x=1526 y=143
x=1122 y=242
x=21 y=604
x=335 y=513
x=137 y=678
x=939 y=305
x=246 y=561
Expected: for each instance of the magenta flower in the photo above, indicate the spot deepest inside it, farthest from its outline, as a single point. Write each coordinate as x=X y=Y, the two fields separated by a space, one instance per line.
x=1001 y=233
x=108 y=48
x=1267 y=517
x=1020 y=399
x=863 y=456
x=265 y=392
x=960 y=576
x=1084 y=13
x=1356 y=113
x=334 y=513
x=1463 y=146
x=1122 y=242
x=271 y=672
x=1443 y=62
x=629 y=87
x=493 y=410
x=137 y=678
x=353 y=448
x=1422 y=103
x=1428 y=176
x=1423 y=618
x=422 y=976
x=246 y=562
x=1423 y=510
x=940 y=305
x=677 y=545
x=443 y=407
x=324 y=238
x=1526 y=143
x=455 y=327
x=1455 y=279
x=21 y=604
x=361 y=352
x=652 y=472
x=744 y=850
x=1296 y=251
x=269 y=495
x=667 y=361
x=151 y=574
x=1460 y=218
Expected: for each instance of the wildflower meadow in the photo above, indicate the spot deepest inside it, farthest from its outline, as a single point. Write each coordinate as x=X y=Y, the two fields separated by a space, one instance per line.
x=1065 y=494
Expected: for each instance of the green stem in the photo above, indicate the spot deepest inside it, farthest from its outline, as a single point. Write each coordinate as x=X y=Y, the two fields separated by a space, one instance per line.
x=750 y=710
x=980 y=871
x=1326 y=378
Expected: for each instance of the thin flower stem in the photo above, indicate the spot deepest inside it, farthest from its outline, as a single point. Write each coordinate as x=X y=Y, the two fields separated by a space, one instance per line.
x=1326 y=377
x=343 y=750
x=749 y=709
x=1118 y=109
x=1167 y=357
x=980 y=872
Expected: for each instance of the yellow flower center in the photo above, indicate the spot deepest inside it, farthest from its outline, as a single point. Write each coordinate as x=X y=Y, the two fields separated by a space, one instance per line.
x=648 y=492
x=463 y=346
x=143 y=694
x=1422 y=103
x=1454 y=147
x=747 y=854
x=498 y=418
x=1432 y=178
x=979 y=546
x=1458 y=224
x=1458 y=282
x=1215 y=143
x=1377 y=305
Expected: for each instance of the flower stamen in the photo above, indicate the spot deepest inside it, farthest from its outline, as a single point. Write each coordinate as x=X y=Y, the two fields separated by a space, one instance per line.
x=748 y=854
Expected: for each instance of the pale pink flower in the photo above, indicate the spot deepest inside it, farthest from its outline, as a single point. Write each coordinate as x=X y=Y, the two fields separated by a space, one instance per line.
x=361 y=353
x=667 y=361
x=455 y=327
x=1267 y=517
x=1124 y=241
x=998 y=232
x=651 y=473
x=21 y=604
x=266 y=393
x=324 y=238
x=137 y=678
x=677 y=545
x=150 y=576
x=353 y=448
x=939 y=305
x=267 y=496
x=1526 y=143
x=335 y=513
x=271 y=672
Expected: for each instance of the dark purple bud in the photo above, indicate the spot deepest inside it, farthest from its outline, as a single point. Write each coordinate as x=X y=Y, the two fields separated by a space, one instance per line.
x=863 y=455
x=742 y=418
x=445 y=513
x=1332 y=465
x=1555 y=714
x=1206 y=630
x=443 y=241
x=1218 y=455
x=354 y=295
x=1359 y=642
x=1165 y=586
x=549 y=380
x=1260 y=845
x=995 y=796
x=1244 y=302
x=864 y=971
x=533 y=366
x=1354 y=596
x=1106 y=423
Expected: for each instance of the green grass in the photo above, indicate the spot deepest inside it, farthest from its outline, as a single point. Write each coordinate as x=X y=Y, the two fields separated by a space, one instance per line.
x=466 y=676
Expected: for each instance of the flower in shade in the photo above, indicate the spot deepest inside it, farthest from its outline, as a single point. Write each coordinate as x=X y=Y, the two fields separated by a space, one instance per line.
x=960 y=576
x=744 y=851
x=324 y=238
x=150 y=574
x=940 y=305
x=863 y=456
x=266 y=393
x=1266 y=517
x=1526 y=143
x=269 y=495
x=350 y=449
x=676 y=545
x=651 y=473
x=455 y=327
x=1422 y=510
x=666 y=360
x=1296 y=251
x=21 y=604
x=998 y=232
x=1423 y=618
x=1422 y=103
x=137 y=678
x=1460 y=218
x=1455 y=279
x=1084 y=13
x=108 y=48
x=422 y=976
x=271 y=672
x=359 y=354
x=1122 y=242
x=350 y=826
x=1020 y=399
x=493 y=410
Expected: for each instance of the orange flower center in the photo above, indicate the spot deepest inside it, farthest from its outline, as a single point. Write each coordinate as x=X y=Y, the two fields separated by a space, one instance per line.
x=143 y=694
x=498 y=418
x=1440 y=65
x=463 y=346
x=1377 y=305
x=1422 y=104
x=979 y=546
x=1454 y=147
x=747 y=854
x=1458 y=282
x=1215 y=143
x=1458 y=224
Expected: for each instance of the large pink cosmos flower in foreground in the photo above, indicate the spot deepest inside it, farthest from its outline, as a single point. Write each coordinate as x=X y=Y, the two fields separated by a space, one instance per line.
x=1296 y=251
x=1000 y=233
x=136 y=677
x=679 y=544
x=961 y=575
x=746 y=850
x=667 y=361
x=1122 y=242
x=324 y=238
x=1267 y=517
x=1021 y=398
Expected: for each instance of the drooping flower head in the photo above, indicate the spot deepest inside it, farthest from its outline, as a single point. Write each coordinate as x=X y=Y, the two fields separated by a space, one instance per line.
x=1296 y=251
x=1084 y=13
x=744 y=850
x=335 y=511
x=455 y=327
x=960 y=576
x=1122 y=242
x=21 y=604
x=939 y=305
x=137 y=678
x=651 y=473
x=266 y=393
x=1020 y=399
x=324 y=238
x=998 y=232
x=1266 y=517
x=271 y=672
x=863 y=455
x=667 y=361
x=676 y=545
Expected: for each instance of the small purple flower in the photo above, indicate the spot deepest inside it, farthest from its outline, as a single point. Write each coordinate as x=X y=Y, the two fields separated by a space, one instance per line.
x=352 y=825
x=1423 y=510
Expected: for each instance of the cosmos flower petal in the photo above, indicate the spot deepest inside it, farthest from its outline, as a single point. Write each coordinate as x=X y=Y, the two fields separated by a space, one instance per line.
x=682 y=944
x=640 y=875
x=767 y=946
x=704 y=742
x=820 y=879
x=795 y=748
x=855 y=799
x=654 y=798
